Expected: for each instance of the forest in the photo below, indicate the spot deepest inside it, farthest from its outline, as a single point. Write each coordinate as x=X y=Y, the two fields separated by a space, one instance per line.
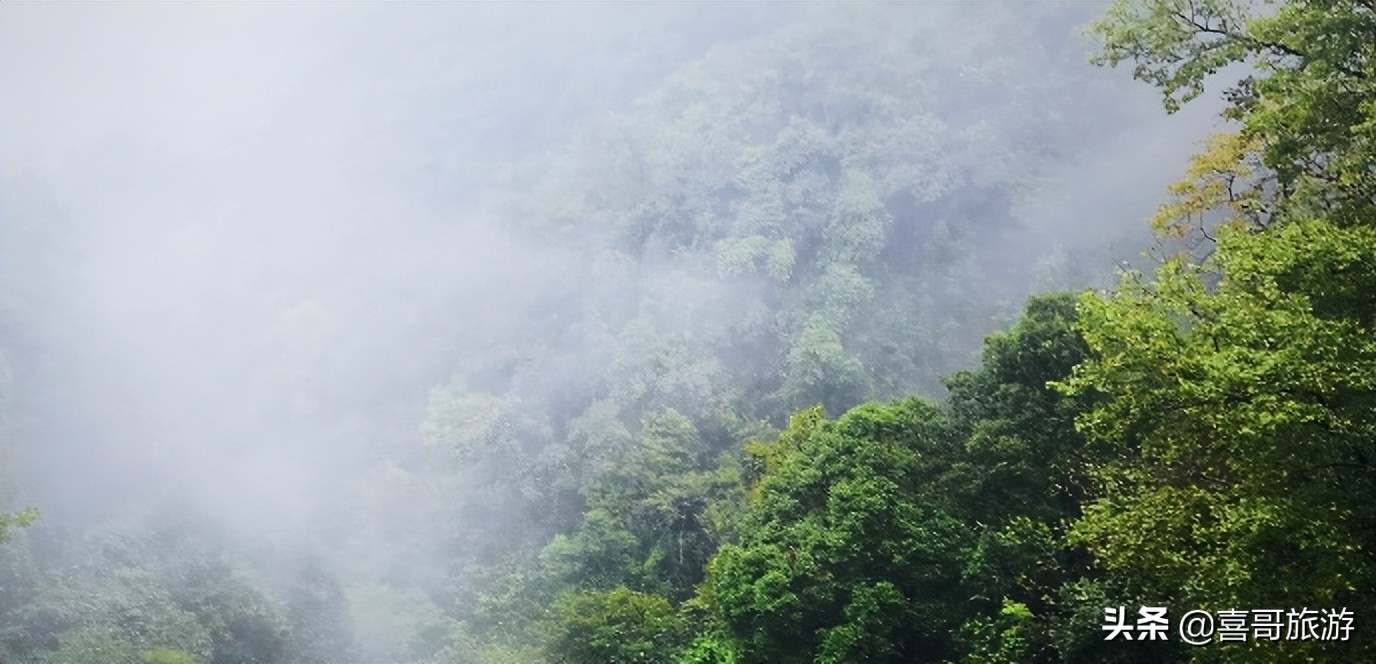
x=687 y=333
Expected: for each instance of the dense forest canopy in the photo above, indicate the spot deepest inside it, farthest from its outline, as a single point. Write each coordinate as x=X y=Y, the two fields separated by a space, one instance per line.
x=684 y=333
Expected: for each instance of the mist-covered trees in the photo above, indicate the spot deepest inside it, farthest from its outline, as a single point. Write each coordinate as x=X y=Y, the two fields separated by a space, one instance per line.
x=807 y=217
x=9 y=522
x=799 y=218
x=618 y=625
x=801 y=210
x=1212 y=449
x=906 y=532
x=895 y=532
x=629 y=455
x=813 y=246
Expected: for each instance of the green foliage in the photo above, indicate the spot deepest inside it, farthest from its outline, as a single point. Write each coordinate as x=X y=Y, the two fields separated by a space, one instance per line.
x=602 y=554
x=772 y=216
x=1020 y=475
x=130 y=593
x=846 y=554
x=401 y=625
x=819 y=370
x=166 y=656
x=1307 y=114
x=316 y=615
x=999 y=639
x=794 y=219
x=1241 y=419
x=656 y=501
x=113 y=619
x=803 y=235
x=1022 y=455
x=852 y=532
x=1174 y=44
x=905 y=532
x=10 y=522
x=1237 y=426
x=619 y=626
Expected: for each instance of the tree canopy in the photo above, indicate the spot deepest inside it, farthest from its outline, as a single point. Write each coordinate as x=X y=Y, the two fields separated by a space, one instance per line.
x=772 y=401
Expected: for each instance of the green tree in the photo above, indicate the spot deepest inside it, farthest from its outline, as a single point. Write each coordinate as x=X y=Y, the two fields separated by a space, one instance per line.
x=1022 y=456
x=847 y=554
x=619 y=626
x=1243 y=418
x=1240 y=411
x=9 y=522
x=1307 y=116
x=1020 y=477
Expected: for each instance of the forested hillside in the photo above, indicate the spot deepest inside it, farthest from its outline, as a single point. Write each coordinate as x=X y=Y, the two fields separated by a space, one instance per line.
x=762 y=335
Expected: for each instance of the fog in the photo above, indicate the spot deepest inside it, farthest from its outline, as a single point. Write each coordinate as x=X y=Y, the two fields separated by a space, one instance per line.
x=245 y=243
x=248 y=193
